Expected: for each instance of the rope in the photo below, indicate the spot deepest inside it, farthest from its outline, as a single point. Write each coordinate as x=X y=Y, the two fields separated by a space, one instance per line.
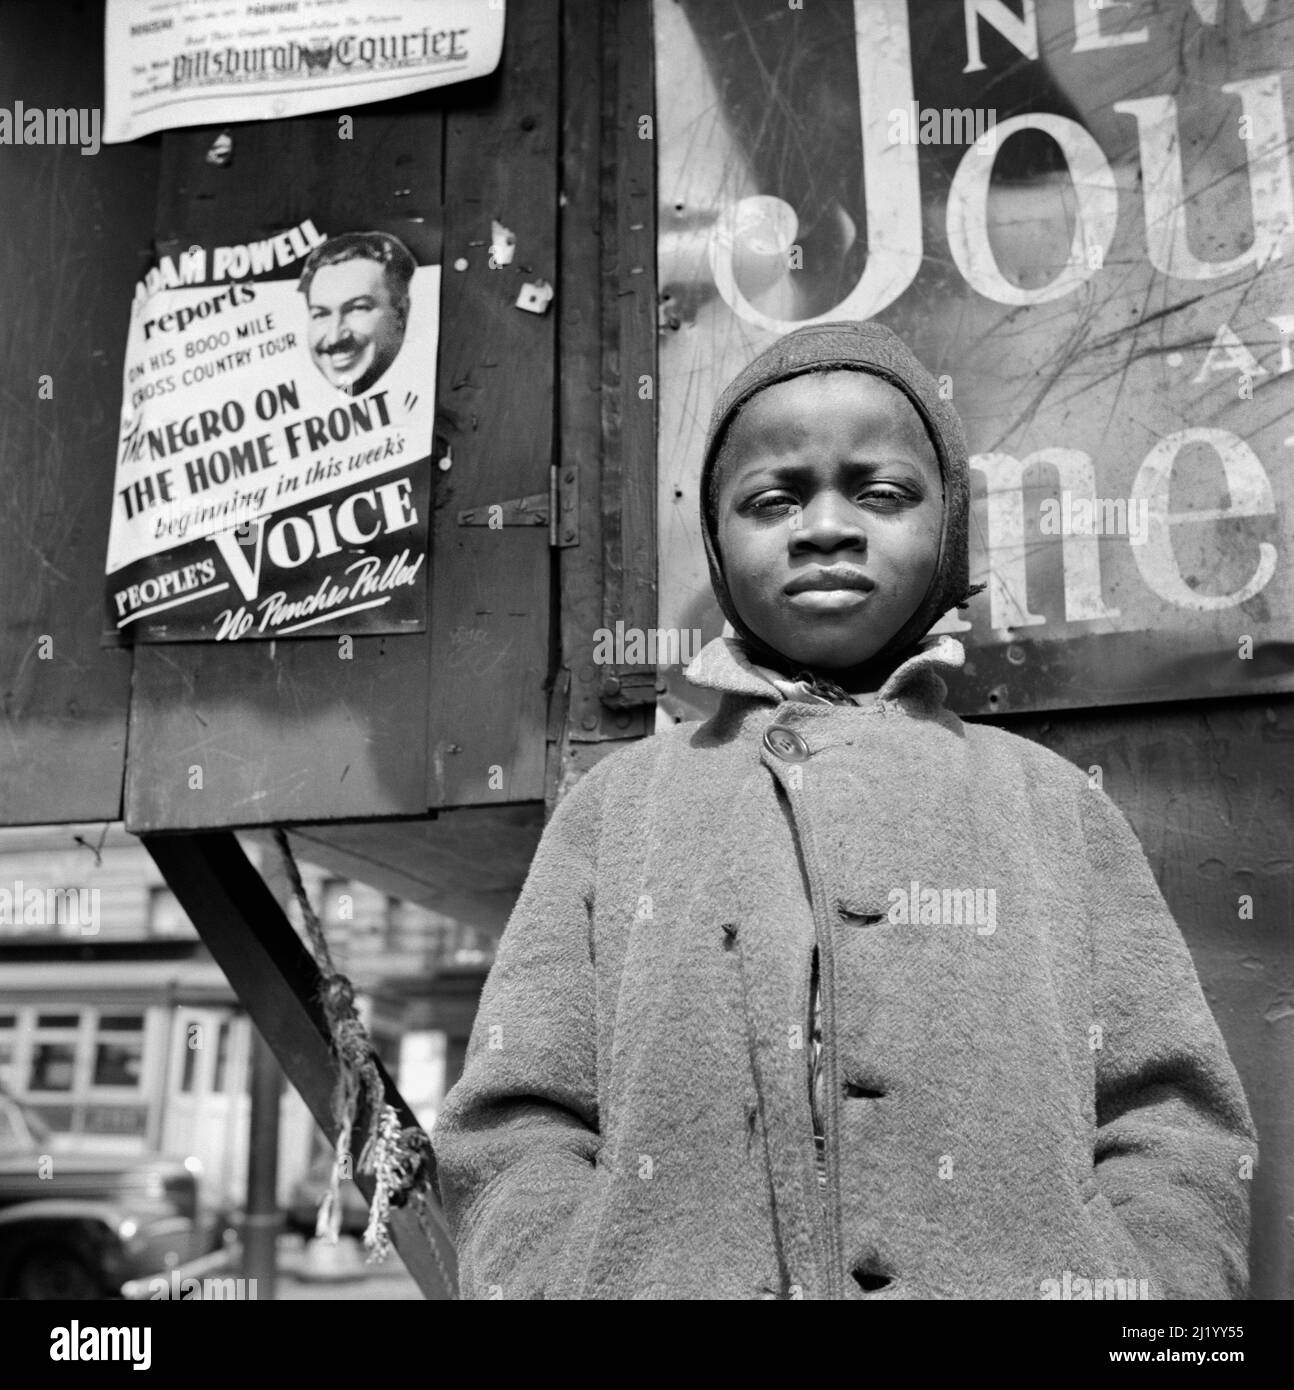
x=399 y=1157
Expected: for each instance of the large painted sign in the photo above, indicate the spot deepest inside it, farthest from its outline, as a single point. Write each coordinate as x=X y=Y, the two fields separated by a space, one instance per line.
x=1081 y=217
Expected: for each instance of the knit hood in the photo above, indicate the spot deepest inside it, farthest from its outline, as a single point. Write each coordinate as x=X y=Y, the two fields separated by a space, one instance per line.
x=872 y=348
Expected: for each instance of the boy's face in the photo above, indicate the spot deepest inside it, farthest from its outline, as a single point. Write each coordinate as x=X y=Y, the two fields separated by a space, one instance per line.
x=830 y=508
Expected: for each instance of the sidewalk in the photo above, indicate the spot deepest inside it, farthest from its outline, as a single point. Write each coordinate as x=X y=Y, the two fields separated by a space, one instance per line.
x=320 y=1271
x=311 y=1269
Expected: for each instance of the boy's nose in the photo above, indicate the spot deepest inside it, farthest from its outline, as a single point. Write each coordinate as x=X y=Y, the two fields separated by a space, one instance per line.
x=828 y=519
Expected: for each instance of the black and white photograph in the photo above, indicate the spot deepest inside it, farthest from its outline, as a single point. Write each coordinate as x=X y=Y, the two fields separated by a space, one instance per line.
x=648 y=655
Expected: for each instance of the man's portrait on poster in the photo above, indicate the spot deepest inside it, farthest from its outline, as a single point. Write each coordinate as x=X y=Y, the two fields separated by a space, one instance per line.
x=356 y=288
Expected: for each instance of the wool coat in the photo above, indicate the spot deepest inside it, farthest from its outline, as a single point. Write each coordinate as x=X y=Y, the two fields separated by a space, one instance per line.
x=1019 y=1101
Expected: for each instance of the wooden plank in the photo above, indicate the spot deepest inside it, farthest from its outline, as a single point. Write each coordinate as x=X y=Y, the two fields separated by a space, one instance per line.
x=287 y=731
x=607 y=330
x=277 y=982
x=490 y=591
x=580 y=328
x=281 y=744
x=629 y=501
x=469 y=863
x=629 y=372
x=73 y=232
x=1206 y=787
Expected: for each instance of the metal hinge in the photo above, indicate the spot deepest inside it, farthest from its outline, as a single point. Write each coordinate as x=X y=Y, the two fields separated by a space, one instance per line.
x=558 y=509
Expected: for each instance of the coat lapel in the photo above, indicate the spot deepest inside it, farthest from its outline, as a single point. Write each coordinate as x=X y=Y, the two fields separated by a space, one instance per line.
x=916 y=687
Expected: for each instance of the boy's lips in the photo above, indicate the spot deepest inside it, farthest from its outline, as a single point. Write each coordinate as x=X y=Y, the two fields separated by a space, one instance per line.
x=829 y=600
x=830 y=581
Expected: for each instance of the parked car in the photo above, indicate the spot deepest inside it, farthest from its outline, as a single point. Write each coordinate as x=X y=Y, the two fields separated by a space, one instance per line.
x=76 y=1224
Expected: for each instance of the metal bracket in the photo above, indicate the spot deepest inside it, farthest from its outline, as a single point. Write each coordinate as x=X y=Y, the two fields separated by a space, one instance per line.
x=626 y=687
x=558 y=509
x=517 y=511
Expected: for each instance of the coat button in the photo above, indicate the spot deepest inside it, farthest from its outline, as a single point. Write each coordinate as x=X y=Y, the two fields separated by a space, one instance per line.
x=785 y=743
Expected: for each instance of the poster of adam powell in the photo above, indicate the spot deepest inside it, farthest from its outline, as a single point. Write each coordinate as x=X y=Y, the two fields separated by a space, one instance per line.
x=273 y=465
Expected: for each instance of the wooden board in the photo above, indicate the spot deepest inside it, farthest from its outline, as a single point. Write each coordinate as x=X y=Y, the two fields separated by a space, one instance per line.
x=74 y=233
x=630 y=369
x=468 y=863
x=490 y=589
x=291 y=733
x=287 y=731
x=1206 y=786
x=580 y=403
x=608 y=349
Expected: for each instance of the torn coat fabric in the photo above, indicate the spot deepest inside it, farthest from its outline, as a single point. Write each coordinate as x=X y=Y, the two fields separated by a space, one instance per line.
x=1006 y=1107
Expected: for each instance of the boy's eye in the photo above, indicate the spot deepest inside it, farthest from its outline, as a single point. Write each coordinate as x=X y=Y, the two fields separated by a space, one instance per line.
x=891 y=495
x=884 y=494
x=770 y=501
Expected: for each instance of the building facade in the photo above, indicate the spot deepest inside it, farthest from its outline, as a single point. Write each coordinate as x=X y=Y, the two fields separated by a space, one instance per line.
x=121 y=1033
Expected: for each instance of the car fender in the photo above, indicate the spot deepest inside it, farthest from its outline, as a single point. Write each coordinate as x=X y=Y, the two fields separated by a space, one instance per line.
x=89 y=1228
x=56 y=1209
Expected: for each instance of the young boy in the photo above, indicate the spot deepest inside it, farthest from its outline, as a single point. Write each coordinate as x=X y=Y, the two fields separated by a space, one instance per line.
x=833 y=995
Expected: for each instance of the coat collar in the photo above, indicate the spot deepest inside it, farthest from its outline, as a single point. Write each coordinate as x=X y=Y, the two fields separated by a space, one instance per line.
x=916 y=684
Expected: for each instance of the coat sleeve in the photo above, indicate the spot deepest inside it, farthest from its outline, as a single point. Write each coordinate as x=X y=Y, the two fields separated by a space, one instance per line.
x=517 y=1136
x=1175 y=1142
